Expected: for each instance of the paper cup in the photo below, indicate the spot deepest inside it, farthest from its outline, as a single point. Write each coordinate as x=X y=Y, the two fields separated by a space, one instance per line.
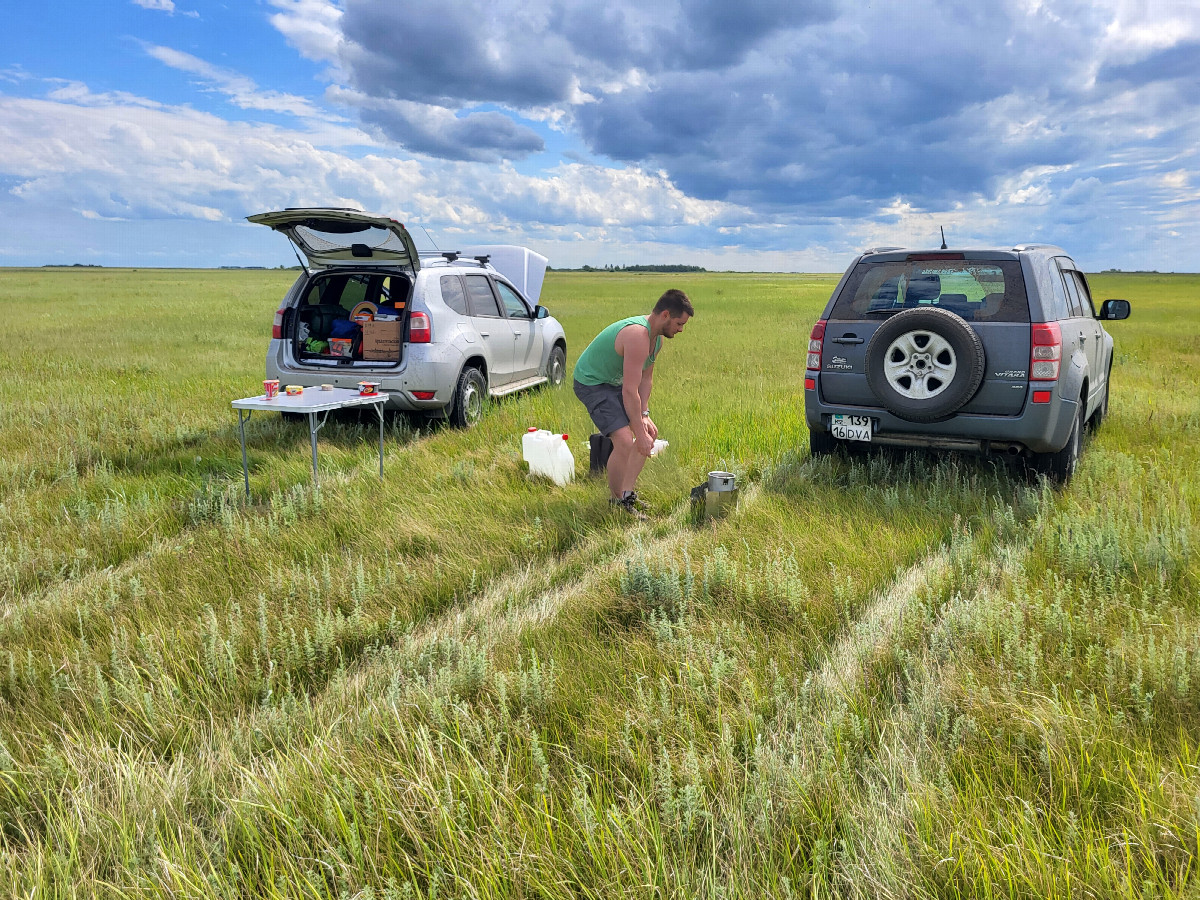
x=271 y=388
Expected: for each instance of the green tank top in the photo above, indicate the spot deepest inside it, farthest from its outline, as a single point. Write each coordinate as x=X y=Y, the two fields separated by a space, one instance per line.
x=600 y=363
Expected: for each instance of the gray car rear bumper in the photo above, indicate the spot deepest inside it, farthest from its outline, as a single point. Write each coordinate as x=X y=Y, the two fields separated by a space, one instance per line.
x=1040 y=427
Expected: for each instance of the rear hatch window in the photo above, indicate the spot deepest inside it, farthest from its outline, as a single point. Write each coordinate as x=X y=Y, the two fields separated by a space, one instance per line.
x=977 y=290
x=352 y=319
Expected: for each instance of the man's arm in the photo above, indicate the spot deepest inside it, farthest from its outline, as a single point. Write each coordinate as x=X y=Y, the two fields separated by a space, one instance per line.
x=633 y=343
x=644 y=388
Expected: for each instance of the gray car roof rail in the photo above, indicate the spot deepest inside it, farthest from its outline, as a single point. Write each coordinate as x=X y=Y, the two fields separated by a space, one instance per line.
x=1023 y=248
x=881 y=249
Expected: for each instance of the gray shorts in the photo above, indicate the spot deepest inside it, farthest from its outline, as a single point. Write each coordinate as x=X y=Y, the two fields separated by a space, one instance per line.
x=604 y=405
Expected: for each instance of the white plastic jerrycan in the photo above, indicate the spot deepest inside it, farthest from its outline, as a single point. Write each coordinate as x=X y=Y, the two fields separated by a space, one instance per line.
x=548 y=454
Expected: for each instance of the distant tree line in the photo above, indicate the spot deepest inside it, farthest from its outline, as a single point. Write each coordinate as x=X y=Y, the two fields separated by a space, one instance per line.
x=652 y=268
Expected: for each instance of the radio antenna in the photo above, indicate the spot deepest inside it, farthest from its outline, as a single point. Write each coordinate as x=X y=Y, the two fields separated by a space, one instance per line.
x=431 y=240
x=943 y=230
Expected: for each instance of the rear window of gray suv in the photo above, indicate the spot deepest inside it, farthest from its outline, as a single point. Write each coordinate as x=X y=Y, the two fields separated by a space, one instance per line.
x=978 y=290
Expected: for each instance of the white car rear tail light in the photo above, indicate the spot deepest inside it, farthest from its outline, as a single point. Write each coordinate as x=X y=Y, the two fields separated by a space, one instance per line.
x=277 y=328
x=1045 y=351
x=419 y=330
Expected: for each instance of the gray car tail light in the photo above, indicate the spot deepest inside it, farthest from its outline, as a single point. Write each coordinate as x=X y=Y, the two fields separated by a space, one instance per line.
x=815 y=341
x=1045 y=351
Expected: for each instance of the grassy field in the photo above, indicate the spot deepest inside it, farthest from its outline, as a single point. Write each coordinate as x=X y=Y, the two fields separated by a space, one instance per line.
x=886 y=676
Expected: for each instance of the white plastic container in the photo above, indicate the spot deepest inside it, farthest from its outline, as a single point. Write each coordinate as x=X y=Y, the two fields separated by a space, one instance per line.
x=659 y=446
x=548 y=454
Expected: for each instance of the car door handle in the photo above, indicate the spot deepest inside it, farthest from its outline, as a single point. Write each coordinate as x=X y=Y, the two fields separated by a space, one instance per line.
x=516 y=334
x=485 y=334
x=849 y=339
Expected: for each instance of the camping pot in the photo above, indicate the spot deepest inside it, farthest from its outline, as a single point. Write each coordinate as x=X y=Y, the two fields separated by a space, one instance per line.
x=722 y=481
x=715 y=497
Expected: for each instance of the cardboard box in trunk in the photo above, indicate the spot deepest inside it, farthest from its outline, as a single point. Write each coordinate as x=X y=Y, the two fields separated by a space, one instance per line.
x=381 y=340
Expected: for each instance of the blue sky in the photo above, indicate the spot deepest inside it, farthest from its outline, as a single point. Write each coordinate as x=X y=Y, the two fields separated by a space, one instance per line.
x=769 y=135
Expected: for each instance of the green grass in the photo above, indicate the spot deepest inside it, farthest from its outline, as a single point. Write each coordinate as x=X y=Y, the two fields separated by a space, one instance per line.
x=887 y=675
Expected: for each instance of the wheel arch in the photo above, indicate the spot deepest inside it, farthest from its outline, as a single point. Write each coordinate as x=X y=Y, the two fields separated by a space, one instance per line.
x=475 y=361
x=560 y=340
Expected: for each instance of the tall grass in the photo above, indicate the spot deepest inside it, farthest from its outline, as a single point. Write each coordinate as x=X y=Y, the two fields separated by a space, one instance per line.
x=886 y=675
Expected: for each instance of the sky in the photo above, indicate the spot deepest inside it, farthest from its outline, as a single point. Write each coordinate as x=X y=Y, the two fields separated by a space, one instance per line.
x=765 y=135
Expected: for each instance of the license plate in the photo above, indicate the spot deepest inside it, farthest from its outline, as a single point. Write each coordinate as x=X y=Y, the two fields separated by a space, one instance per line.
x=851 y=428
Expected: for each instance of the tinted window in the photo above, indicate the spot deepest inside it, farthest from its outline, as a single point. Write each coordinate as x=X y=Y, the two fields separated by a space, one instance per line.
x=1085 y=295
x=513 y=304
x=348 y=289
x=1060 y=307
x=483 y=301
x=978 y=290
x=395 y=292
x=355 y=291
x=1072 y=292
x=452 y=294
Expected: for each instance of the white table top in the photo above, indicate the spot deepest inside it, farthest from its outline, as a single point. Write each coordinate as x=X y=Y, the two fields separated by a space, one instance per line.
x=312 y=400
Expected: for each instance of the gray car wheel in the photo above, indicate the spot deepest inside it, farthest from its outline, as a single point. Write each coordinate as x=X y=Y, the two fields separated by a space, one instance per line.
x=821 y=443
x=556 y=366
x=1060 y=466
x=469 y=396
x=1101 y=411
x=923 y=364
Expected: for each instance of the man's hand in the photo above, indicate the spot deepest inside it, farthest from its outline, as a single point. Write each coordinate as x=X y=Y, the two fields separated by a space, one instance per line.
x=643 y=443
x=651 y=428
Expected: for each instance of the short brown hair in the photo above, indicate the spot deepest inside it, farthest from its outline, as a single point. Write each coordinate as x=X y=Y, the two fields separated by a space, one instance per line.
x=676 y=302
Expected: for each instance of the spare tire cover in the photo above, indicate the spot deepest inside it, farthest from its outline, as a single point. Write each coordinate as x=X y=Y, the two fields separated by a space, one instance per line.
x=924 y=363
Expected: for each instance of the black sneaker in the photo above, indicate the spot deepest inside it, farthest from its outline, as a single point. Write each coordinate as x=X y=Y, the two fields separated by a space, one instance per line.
x=627 y=505
x=636 y=500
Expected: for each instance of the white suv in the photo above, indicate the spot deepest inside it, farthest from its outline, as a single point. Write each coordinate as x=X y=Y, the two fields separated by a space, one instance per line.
x=439 y=332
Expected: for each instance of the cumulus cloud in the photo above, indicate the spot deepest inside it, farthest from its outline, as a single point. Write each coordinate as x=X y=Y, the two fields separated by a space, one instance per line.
x=164 y=5
x=122 y=161
x=768 y=104
x=313 y=27
x=479 y=136
x=818 y=124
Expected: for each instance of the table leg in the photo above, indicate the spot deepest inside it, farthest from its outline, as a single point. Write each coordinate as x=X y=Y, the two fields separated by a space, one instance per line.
x=379 y=412
x=245 y=466
x=312 y=434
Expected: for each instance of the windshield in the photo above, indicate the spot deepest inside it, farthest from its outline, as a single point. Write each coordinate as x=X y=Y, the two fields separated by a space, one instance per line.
x=976 y=290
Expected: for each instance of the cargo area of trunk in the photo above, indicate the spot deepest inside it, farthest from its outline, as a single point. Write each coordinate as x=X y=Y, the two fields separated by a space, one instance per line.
x=350 y=320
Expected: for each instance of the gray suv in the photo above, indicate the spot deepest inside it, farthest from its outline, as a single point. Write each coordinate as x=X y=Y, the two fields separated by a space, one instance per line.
x=439 y=332
x=990 y=351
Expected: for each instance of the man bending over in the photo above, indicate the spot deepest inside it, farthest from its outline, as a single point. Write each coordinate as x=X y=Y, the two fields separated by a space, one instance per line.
x=613 y=379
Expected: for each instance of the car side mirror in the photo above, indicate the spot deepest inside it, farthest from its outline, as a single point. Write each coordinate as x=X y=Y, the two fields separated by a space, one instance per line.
x=1114 y=309
x=540 y=312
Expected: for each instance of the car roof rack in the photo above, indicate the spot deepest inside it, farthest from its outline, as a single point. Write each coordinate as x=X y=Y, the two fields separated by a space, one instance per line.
x=881 y=249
